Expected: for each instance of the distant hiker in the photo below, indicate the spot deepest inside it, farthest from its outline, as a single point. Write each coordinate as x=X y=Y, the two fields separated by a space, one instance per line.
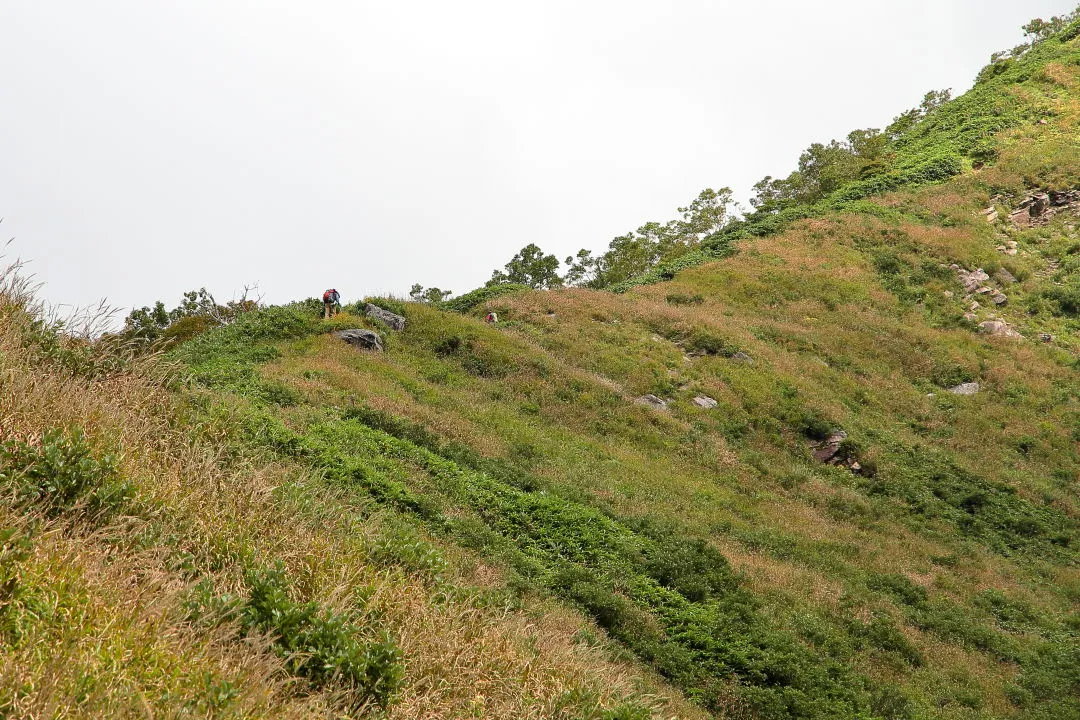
x=491 y=318
x=331 y=300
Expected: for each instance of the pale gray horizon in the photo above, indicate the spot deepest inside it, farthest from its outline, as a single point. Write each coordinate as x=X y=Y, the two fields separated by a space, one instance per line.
x=151 y=148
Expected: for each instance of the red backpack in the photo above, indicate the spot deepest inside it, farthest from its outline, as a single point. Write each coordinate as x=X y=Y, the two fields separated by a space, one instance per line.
x=326 y=295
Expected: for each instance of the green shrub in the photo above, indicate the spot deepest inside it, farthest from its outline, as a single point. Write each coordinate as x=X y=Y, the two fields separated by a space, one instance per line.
x=701 y=341
x=15 y=547
x=900 y=588
x=321 y=646
x=403 y=547
x=690 y=566
x=471 y=300
x=1066 y=299
x=811 y=424
x=61 y=473
x=882 y=633
x=279 y=394
x=889 y=703
x=476 y=357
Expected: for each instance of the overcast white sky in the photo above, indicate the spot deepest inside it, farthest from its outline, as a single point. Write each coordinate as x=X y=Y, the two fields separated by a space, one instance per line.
x=147 y=148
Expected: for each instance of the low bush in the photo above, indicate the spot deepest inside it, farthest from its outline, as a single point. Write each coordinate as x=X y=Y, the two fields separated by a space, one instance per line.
x=471 y=300
x=60 y=473
x=329 y=650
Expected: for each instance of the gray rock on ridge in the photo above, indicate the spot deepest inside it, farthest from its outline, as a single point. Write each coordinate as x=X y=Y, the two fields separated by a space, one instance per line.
x=969 y=388
x=392 y=320
x=704 y=401
x=653 y=401
x=361 y=338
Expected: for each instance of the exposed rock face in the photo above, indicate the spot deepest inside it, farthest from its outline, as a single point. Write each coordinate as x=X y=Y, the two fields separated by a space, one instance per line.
x=1039 y=207
x=826 y=450
x=705 y=401
x=1004 y=277
x=965 y=389
x=999 y=328
x=1040 y=202
x=361 y=338
x=742 y=358
x=653 y=401
x=1000 y=299
x=393 y=320
x=1060 y=199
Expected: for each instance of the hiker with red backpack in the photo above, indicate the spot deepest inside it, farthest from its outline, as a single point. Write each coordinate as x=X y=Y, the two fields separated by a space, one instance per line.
x=331 y=301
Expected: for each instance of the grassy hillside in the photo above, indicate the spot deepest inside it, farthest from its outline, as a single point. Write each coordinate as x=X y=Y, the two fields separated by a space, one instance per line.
x=491 y=521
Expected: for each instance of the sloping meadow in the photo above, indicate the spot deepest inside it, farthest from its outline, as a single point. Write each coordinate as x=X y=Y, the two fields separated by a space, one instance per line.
x=153 y=563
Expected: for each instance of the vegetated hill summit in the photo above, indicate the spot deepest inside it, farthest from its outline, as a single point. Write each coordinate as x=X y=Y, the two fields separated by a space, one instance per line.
x=818 y=463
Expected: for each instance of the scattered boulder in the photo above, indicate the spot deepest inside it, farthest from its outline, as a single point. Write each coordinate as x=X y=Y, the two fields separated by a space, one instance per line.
x=1004 y=277
x=361 y=338
x=704 y=401
x=969 y=388
x=825 y=450
x=971 y=280
x=991 y=214
x=392 y=320
x=1046 y=337
x=653 y=401
x=742 y=358
x=999 y=328
x=1000 y=299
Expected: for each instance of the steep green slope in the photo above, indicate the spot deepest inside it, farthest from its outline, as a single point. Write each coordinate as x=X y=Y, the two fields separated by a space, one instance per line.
x=1017 y=89
x=940 y=580
x=497 y=521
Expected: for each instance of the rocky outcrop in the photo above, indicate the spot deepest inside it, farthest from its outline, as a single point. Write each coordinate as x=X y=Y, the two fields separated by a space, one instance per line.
x=826 y=449
x=392 y=320
x=653 y=401
x=971 y=279
x=742 y=357
x=1039 y=207
x=968 y=388
x=704 y=401
x=361 y=338
x=999 y=328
